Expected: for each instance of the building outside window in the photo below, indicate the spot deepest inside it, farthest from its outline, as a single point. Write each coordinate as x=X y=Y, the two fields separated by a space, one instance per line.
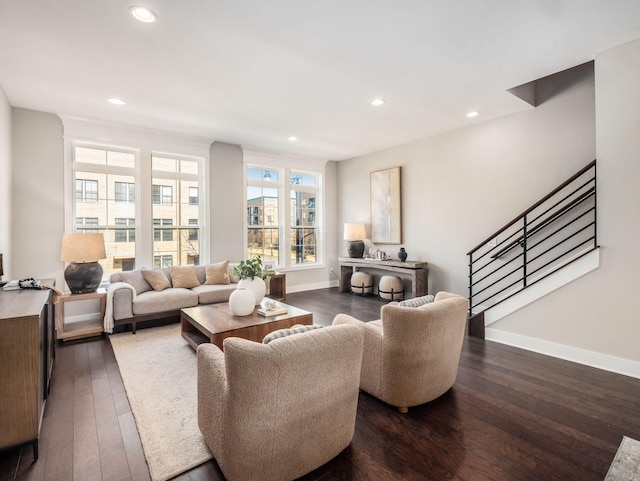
x=282 y=215
x=193 y=196
x=125 y=235
x=162 y=194
x=86 y=190
x=86 y=221
x=125 y=192
x=193 y=233
x=162 y=235
x=161 y=262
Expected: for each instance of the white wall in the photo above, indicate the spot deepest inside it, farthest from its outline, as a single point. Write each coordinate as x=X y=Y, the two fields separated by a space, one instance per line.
x=458 y=188
x=5 y=184
x=226 y=203
x=37 y=198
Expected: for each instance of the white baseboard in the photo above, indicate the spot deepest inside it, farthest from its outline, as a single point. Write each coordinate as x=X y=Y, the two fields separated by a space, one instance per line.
x=565 y=275
x=311 y=287
x=575 y=354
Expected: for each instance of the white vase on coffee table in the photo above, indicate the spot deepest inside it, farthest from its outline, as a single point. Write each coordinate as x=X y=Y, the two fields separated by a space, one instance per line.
x=241 y=302
x=255 y=285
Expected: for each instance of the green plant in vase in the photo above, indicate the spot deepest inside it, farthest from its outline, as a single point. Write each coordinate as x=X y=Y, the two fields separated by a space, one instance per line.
x=250 y=273
x=249 y=269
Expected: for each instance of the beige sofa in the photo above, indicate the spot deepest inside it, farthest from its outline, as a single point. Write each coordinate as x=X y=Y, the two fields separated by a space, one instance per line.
x=411 y=354
x=277 y=411
x=132 y=299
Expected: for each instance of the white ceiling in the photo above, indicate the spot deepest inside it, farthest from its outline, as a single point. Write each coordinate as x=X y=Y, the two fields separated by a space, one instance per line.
x=255 y=72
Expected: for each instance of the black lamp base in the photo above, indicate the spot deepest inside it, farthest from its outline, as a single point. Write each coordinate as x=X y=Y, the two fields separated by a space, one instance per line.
x=83 y=277
x=355 y=249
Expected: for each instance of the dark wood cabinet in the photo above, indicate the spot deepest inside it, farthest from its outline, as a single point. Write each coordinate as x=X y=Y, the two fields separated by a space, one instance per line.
x=27 y=351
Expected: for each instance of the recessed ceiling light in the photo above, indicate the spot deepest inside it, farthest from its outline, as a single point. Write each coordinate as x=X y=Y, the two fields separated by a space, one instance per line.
x=116 y=101
x=473 y=114
x=143 y=14
x=377 y=102
x=293 y=138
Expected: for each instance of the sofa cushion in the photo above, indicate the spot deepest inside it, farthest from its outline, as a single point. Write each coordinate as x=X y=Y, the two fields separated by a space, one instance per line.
x=157 y=279
x=208 y=294
x=218 y=273
x=184 y=276
x=417 y=301
x=169 y=299
x=297 y=329
x=135 y=278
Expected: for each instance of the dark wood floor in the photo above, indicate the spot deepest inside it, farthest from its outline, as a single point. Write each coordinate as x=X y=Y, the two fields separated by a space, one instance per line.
x=512 y=415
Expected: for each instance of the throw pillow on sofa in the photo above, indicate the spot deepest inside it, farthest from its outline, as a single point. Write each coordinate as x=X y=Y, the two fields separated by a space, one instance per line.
x=218 y=273
x=417 y=301
x=157 y=279
x=184 y=276
x=297 y=329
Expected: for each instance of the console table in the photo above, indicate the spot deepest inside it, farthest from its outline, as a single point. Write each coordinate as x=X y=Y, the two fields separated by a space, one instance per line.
x=417 y=272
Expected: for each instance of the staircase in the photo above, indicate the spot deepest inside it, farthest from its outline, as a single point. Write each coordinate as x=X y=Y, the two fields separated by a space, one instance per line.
x=551 y=243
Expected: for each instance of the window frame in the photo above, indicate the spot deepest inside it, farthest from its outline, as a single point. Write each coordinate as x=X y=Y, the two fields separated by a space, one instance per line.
x=141 y=175
x=284 y=188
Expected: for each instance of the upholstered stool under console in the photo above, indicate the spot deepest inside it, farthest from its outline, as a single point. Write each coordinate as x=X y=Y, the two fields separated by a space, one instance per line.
x=361 y=283
x=390 y=288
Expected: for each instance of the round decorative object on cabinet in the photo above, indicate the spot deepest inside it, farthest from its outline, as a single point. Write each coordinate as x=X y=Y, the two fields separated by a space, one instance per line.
x=241 y=302
x=391 y=288
x=402 y=255
x=255 y=285
x=361 y=283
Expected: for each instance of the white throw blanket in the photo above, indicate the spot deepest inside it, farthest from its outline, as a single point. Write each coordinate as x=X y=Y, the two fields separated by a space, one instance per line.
x=108 y=313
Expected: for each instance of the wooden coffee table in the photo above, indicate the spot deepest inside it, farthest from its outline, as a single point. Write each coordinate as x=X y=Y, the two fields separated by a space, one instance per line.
x=214 y=323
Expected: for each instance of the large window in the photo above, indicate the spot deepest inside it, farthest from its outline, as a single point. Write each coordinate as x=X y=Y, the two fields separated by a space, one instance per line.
x=105 y=201
x=107 y=183
x=282 y=215
x=176 y=208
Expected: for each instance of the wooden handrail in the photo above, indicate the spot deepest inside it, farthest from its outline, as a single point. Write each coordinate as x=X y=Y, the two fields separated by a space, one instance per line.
x=544 y=223
x=534 y=206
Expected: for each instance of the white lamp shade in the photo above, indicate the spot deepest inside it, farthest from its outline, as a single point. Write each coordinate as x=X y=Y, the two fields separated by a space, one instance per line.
x=354 y=231
x=82 y=247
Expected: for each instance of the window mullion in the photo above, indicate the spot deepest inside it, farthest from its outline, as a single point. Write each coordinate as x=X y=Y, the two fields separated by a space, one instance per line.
x=144 y=207
x=285 y=206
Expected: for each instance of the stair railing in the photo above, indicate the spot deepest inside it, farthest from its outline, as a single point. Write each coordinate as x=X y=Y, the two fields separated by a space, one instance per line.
x=555 y=231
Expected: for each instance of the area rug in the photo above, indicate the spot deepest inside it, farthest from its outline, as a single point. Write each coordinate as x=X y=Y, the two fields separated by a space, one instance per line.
x=626 y=463
x=159 y=372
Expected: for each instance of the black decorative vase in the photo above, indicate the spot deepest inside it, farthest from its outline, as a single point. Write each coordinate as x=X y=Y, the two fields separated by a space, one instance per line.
x=402 y=255
x=355 y=249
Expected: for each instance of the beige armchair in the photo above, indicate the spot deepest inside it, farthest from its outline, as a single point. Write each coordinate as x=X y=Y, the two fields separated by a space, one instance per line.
x=411 y=355
x=278 y=411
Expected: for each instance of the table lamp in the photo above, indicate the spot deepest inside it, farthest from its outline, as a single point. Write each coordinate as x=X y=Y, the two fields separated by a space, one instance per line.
x=82 y=251
x=353 y=234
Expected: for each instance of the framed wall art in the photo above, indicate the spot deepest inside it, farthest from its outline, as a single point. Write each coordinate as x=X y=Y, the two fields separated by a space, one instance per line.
x=386 y=214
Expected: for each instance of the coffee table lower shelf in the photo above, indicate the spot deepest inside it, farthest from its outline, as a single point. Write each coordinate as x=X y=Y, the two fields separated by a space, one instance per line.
x=214 y=323
x=194 y=338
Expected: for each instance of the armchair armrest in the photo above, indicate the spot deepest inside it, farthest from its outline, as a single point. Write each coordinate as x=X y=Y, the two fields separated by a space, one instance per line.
x=212 y=387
